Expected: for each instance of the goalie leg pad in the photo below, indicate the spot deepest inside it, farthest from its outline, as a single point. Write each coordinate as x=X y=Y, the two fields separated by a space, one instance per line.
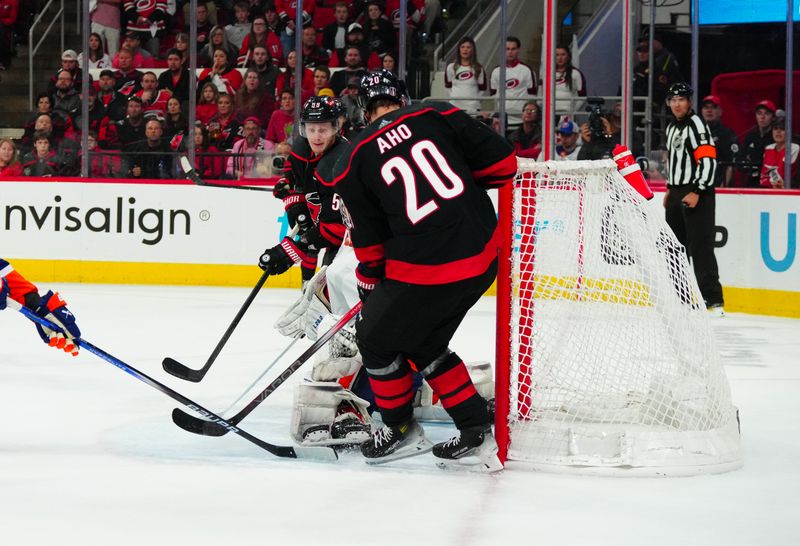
x=325 y=413
x=304 y=315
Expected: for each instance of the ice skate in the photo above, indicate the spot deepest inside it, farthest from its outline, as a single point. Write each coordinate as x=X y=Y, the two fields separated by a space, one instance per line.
x=473 y=448
x=393 y=443
x=716 y=310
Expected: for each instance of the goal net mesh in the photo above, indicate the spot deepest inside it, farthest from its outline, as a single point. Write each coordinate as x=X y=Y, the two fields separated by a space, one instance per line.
x=613 y=362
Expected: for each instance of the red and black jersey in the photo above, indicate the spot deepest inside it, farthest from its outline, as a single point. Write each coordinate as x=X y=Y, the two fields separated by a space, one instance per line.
x=323 y=203
x=414 y=184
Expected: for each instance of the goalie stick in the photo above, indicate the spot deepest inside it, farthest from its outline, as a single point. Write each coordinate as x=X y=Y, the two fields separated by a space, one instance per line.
x=309 y=453
x=173 y=367
x=194 y=176
x=192 y=424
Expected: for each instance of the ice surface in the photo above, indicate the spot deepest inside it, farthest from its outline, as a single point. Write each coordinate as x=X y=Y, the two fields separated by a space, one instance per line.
x=90 y=456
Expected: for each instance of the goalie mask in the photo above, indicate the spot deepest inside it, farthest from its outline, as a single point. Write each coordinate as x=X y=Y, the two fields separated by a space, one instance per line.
x=383 y=84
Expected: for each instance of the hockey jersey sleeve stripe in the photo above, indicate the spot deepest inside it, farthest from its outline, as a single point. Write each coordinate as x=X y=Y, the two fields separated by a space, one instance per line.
x=18 y=285
x=499 y=174
x=371 y=254
x=334 y=233
x=705 y=150
x=454 y=271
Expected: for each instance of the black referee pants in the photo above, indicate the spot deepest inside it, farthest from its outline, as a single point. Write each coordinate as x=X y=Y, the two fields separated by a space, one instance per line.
x=406 y=327
x=694 y=229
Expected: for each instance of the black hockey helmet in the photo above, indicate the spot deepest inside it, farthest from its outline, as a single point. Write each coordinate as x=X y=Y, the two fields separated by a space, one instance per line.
x=382 y=84
x=680 y=89
x=320 y=110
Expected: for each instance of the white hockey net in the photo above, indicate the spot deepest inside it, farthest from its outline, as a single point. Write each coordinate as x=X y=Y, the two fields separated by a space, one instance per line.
x=613 y=364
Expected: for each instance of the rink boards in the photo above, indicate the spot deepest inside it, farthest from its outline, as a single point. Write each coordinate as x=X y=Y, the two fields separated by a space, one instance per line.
x=173 y=232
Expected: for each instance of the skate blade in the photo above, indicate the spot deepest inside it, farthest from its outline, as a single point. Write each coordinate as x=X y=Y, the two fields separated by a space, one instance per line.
x=419 y=448
x=486 y=465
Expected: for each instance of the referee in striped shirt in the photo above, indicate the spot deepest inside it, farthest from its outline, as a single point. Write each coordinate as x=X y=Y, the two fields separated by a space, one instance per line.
x=689 y=200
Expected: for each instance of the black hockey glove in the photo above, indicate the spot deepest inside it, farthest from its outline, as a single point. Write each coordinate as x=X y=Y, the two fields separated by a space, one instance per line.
x=295 y=205
x=280 y=258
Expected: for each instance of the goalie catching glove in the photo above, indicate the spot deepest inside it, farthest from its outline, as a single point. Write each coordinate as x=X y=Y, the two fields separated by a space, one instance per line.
x=54 y=309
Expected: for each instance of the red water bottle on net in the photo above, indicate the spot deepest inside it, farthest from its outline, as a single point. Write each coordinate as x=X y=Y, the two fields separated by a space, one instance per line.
x=630 y=171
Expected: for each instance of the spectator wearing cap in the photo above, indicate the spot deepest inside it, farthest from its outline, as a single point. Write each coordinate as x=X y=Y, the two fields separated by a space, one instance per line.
x=379 y=33
x=757 y=139
x=106 y=19
x=249 y=152
x=141 y=57
x=666 y=70
x=570 y=145
x=527 y=140
x=175 y=78
x=773 y=165
x=151 y=157
x=129 y=79
x=287 y=13
x=9 y=10
x=149 y=18
x=69 y=62
x=353 y=68
x=355 y=38
x=123 y=133
x=724 y=139
x=113 y=104
x=334 y=35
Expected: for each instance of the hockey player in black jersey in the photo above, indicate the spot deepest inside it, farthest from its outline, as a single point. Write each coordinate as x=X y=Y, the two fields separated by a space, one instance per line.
x=312 y=206
x=425 y=233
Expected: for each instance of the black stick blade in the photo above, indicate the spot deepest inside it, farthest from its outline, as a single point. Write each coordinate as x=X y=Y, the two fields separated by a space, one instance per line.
x=196 y=425
x=173 y=367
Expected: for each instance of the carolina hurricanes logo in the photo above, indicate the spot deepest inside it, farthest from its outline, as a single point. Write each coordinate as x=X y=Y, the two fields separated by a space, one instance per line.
x=396 y=17
x=466 y=75
x=127 y=88
x=513 y=83
x=144 y=5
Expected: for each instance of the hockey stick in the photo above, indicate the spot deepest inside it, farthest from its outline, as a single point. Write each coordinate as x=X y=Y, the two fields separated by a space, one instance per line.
x=206 y=427
x=311 y=453
x=194 y=176
x=173 y=367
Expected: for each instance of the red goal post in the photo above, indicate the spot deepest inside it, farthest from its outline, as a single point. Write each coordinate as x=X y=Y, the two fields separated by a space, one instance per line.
x=605 y=358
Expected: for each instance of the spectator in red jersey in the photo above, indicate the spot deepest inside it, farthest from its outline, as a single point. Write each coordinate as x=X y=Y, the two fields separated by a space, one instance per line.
x=379 y=32
x=9 y=9
x=313 y=55
x=222 y=74
x=10 y=164
x=141 y=57
x=267 y=72
x=253 y=101
x=69 y=61
x=98 y=58
x=128 y=78
x=249 y=152
x=145 y=17
x=281 y=123
x=286 y=79
x=153 y=98
x=223 y=129
x=287 y=13
x=217 y=41
x=334 y=35
x=207 y=103
x=415 y=14
x=101 y=163
x=207 y=161
x=773 y=165
x=106 y=19
x=175 y=78
x=260 y=35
